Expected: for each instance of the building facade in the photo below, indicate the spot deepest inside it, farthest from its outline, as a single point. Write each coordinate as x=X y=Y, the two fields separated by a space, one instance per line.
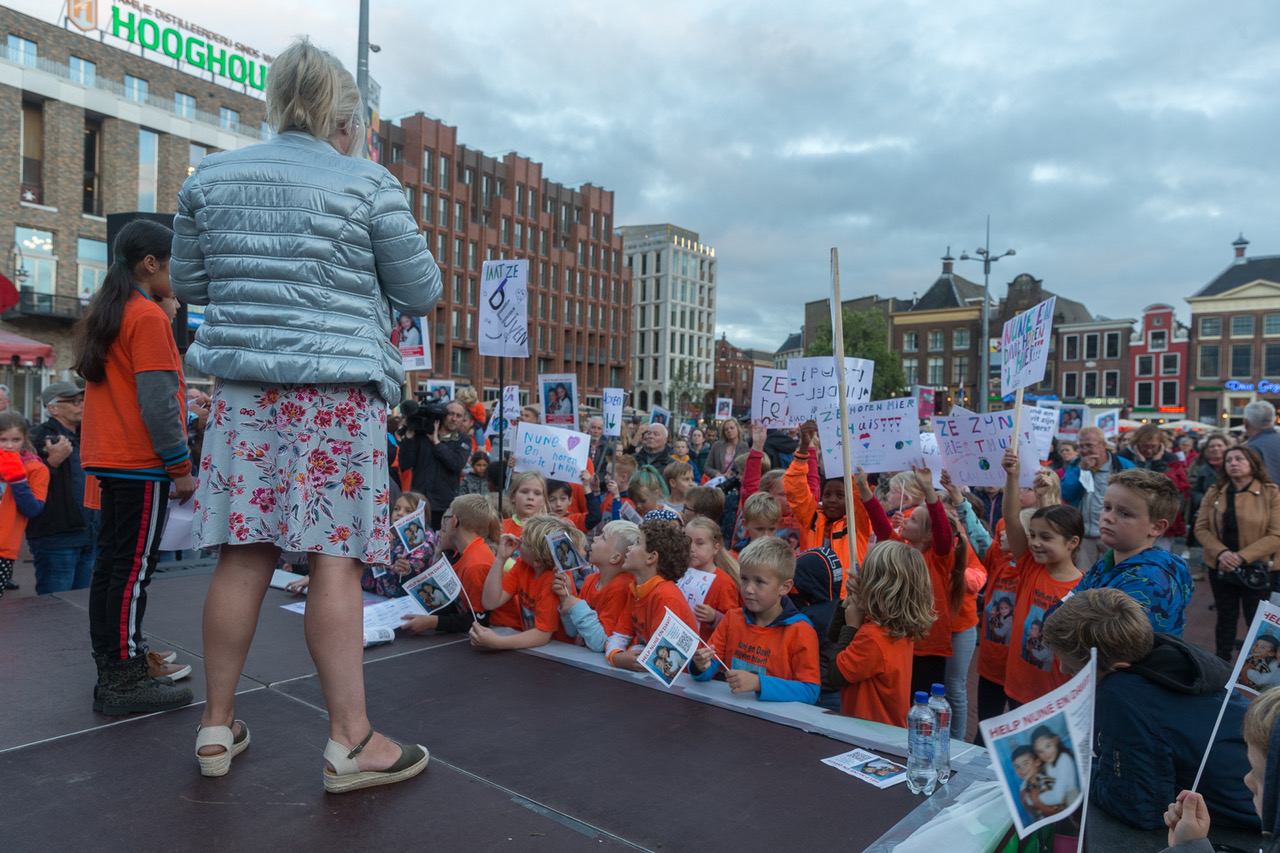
x=1235 y=339
x=673 y=277
x=1022 y=294
x=1158 y=366
x=471 y=208
x=734 y=369
x=1093 y=362
x=792 y=347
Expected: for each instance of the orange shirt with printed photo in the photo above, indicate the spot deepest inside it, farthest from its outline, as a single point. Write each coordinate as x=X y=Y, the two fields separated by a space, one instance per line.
x=1032 y=669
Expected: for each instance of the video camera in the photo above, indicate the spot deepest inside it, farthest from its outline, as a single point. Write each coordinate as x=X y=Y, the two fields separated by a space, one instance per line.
x=421 y=416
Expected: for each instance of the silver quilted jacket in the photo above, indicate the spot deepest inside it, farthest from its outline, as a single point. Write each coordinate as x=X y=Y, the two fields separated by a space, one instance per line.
x=300 y=254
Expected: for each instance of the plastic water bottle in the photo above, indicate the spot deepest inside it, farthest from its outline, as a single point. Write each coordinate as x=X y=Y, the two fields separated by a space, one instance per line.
x=942 y=744
x=922 y=727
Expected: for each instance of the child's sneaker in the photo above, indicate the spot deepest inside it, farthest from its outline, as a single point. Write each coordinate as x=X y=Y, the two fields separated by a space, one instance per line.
x=158 y=666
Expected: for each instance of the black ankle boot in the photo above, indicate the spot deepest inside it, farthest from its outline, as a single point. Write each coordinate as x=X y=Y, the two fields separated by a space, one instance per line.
x=125 y=688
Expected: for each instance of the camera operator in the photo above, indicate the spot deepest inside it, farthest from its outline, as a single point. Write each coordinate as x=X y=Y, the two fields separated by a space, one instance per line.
x=437 y=459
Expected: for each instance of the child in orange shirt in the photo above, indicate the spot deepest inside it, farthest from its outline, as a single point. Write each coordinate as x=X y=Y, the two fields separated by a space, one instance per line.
x=657 y=561
x=889 y=608
x=709 y=599
x=605 y=597
x=529 y=583
x=679 y=479
x=469 y=521
x=771 y=647
x=560 y=502
x=26 y=486
x=528 y=495
x=1046 y=555
x=825 y=523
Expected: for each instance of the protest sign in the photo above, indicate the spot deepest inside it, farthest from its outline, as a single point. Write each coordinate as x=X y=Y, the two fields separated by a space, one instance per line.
x=409 y=336
x=559 y=454
x=884 y=436
x=435 y=587
x=659 y=415
x=973 y=445
x=1043 y=424
x=868 y=767
x=925 y=401
x=669 y=649
x=932 y=457
x=1034 y=752
x=814 y=386
x=769 y=391
x=611 y=410
x=411 y=531
x=504 y=308
x=559 y=397
x=510 y=412
x=724 y=408
x=1108 y=421
x=1024 y=347
x=437 y=390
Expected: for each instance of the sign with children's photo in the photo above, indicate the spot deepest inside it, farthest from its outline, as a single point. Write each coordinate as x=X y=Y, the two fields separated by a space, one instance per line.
x=436 y=587
x=611 y=410
x=724 y=408
x=504 y=309
x=973 y=445
x=559 y=395
x=1108 y=421
x=659 y=415
x=868 y=767
x=770 y=389
x=669 y=650
x=558 y=454
x=510 y=412
x=815 y=385
x=1024 y=347
x=1258 y=666
x=411 y=531
x=884 y=436
x=410 y=337
x=1041 y=752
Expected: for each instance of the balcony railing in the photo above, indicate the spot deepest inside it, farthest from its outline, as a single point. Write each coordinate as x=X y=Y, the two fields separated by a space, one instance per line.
x=51 y=306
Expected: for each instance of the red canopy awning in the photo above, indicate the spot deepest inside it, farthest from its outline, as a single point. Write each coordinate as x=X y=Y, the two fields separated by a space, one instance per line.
x=26 y=350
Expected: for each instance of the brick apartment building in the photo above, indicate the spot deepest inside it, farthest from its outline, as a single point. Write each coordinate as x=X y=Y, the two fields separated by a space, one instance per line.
x=1158 y=353
x=90 y=129
x=472 y=207
x=1093 y=362
x=734 y=367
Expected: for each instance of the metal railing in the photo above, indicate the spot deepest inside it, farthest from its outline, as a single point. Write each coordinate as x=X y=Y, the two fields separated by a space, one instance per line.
x=32 y=303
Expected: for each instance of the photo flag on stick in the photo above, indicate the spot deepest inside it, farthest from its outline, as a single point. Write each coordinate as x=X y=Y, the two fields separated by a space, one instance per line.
x=669 y=650
x=436 y=587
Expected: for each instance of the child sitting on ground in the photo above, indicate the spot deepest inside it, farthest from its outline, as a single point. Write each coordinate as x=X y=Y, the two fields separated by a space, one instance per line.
x=605 y=597
x=477 y=480
x=387 y=580
x=771 y=649
x=709 y=597
x=560 y=500
x=469 y=521
x=656 y=562
x=889 y=608
x=1137 y=509
x=529 y=583
x=704 y=501
x=679 y=480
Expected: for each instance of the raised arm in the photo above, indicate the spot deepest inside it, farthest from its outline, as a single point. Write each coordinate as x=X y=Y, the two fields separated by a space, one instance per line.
x=1012 y=505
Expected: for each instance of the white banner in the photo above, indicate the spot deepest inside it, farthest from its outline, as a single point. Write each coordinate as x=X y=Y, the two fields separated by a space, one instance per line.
x=559 y=454
x=815 y=386
x=504 y=308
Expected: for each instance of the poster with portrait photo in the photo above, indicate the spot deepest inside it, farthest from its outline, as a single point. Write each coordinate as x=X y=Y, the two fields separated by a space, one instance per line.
x=724 y=408
x=1071 y=419
x=1258 y=664
x=564 y=553
x=1108 y=421
x=1040 y=752
x=659 y=415
x=411 y=531
x=437 y=390
x=558 y=396
x=409 y=335
x=665 y=655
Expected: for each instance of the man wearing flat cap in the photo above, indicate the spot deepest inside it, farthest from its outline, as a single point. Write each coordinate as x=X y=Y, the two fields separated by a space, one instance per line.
x=63 y=538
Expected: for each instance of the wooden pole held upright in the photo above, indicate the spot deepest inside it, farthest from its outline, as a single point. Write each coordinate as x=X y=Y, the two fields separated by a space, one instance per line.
x=851 y=499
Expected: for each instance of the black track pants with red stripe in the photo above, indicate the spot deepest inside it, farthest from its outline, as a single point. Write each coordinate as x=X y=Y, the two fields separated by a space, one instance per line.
x=133 y=514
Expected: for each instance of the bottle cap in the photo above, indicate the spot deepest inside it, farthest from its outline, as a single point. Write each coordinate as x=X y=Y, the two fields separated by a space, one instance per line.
x=939 y=690
x=922 y=698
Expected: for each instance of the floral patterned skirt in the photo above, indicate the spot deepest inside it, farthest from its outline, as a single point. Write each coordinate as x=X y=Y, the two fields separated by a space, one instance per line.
x=303 y=467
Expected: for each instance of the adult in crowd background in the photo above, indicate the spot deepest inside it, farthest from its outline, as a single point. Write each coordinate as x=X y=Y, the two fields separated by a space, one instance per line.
x=1204 y=472
x=1238 y=523
x=653 y=449
x=437 y=460
x=1084 y=483
x=729 y=446
x=1260 y=434
x=699 y=448
x=6 y=400
x=297 y=248
x=595 y=430
x=64 y=537
x=1147 y=450
x=780 y=446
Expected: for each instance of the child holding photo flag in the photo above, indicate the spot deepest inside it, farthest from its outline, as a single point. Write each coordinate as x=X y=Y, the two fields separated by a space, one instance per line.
x=529 y=583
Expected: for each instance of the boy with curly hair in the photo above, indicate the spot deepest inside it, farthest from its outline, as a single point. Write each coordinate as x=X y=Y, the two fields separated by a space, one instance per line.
x=656 y=562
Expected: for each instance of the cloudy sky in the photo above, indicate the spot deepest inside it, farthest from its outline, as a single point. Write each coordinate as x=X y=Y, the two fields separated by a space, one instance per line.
x=1118 y=147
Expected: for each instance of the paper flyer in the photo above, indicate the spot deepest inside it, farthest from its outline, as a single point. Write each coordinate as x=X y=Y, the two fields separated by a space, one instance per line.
x=868 y=767
x=669 y=650
x=435 y=588
x=411 y=531
x=1041 y=752
x=564 y=553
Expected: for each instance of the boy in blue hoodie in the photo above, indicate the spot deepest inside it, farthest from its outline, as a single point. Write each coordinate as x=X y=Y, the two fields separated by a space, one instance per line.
x=1137 y=509
x=770 y=647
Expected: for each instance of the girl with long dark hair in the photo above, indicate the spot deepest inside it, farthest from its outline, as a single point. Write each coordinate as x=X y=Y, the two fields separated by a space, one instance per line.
x=134 y=440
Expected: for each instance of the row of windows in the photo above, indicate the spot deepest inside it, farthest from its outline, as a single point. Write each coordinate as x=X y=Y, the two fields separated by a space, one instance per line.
x=1144 y=394
x=1071 y=384
x=650 y=369
x=1242 y=325
x=1145 y=365
x=936 y=371
x=1096 y=345
x=706 y=272
x=960 y=339
x=1241 y=364
x=681 y=291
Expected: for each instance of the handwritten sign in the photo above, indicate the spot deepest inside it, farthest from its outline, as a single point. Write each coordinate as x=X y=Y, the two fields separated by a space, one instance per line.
x=814 y=385
x=1044 y=424
x=1024 y=347
x=510 y=412
x=504 y=309
x=769 y=391
x=973 y=445
x=559 y=454
x=932 y=457
x=883 y=436
x=724 y=408
x=611 y=410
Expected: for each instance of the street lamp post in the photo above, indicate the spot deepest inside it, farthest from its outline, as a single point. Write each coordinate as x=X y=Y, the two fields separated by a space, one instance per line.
x=362 y=53
x=984 y=255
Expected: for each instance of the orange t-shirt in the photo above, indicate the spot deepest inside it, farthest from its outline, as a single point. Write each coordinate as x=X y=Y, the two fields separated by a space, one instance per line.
x=13 y=523
x=1032 y=669
x=473 y=566
x=722 y=597
x=539 y=606
x=997 y=615
x=114 y=436
x=879 y=668
x=612 y=602
x=508 y=615
x=649 y=603
x=788 y=651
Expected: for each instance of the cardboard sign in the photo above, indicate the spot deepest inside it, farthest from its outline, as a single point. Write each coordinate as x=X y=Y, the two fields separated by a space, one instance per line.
x=510 y=412
x=659 y=415
x=724 y=408
x=1024 y=347
x=973 y=445
x=1044 y=425
x=932 y=457
x=558 y=454
x=410 y=336
x=884 y=436
x=504 y=309
x=669 y=650
x=611 y=410
x=1061 y=722
x=1108 y=421
x=814 y=386
x=769 y=406
x=558 y=393
x=436 y=587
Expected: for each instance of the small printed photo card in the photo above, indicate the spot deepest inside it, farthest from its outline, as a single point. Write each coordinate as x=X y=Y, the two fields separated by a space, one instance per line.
x=564 y=553
x=869 y=767
x=669 y=650
x=411 y=531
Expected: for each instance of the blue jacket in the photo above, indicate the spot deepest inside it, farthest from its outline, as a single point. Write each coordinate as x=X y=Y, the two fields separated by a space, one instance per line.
x=300 y=254
x=1152 y=722
x=1158 y=580
x=773 y=689
x=1071 y=488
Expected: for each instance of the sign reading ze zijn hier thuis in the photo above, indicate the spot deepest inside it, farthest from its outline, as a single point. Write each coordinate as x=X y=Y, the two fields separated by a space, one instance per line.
x=153 y=28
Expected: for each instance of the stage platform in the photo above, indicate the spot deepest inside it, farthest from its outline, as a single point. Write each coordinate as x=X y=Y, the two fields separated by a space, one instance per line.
x=530 y=751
